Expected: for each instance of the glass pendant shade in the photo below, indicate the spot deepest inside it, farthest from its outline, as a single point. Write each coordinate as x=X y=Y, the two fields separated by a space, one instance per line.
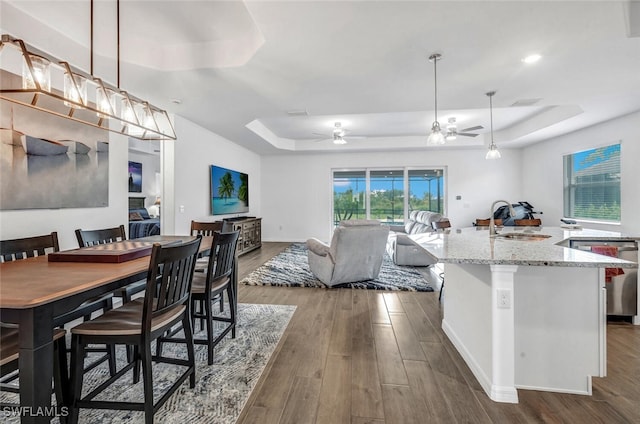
x=436 y=137
x=75 y=89
x=129 y=117
x=41 y=73
x=105 y=102
x=493 y=152
x=145 y=117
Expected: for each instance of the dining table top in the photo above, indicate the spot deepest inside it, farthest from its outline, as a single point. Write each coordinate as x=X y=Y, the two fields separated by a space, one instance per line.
x=32 y=282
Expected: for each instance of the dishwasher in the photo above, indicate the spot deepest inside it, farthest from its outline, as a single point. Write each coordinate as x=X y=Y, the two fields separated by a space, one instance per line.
x=621 y=284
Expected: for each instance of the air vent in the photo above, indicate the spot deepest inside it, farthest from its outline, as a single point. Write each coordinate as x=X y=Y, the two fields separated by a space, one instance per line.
x=297 y=113
x=525 y=102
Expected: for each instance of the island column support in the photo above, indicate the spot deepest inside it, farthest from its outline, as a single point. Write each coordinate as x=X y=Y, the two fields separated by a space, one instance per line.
x=503 y=334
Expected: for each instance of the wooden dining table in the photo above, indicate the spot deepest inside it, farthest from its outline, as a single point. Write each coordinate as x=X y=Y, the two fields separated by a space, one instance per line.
x=35 y=290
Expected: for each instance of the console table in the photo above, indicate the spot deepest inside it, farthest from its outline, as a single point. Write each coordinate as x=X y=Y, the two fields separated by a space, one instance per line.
x=250 y=233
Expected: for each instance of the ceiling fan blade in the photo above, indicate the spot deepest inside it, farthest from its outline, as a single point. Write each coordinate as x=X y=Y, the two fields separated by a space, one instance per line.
x=354 y=137
x=324 y=135
x=476 y=128
x=467 y=134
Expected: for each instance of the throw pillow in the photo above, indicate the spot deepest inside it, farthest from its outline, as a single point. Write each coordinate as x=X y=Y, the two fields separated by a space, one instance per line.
x=135 y=216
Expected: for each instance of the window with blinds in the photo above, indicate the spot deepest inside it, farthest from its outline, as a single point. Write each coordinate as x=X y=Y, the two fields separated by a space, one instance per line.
x=592 y=184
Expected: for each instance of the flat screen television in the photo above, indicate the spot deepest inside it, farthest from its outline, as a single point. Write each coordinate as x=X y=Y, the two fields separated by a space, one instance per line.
x=135 y=177
x=229 y=191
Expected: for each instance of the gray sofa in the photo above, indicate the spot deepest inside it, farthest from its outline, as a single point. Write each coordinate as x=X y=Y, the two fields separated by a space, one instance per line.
x=405 y=251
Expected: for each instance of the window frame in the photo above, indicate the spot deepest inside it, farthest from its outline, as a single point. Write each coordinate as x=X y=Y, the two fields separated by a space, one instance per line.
x=405 y=170
x=569 y=188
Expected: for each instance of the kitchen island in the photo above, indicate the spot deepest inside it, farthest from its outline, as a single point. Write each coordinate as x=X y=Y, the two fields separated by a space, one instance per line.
x=525 y=312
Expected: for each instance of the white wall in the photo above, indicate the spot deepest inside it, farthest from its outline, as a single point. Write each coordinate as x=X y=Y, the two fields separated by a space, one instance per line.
x=193 y=153
x=542 y=172
x=297 y=188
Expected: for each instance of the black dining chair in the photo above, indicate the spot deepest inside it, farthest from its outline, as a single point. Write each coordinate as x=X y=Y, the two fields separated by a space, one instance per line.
x=207 y=229
x=87 y=238
x=10 y=355
x=209 y=286
x=139 y=323
x=39 y=245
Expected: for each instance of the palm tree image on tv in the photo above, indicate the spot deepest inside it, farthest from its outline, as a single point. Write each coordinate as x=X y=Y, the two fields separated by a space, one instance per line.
x=229 y=191
x=226 y=187
x=243 y=190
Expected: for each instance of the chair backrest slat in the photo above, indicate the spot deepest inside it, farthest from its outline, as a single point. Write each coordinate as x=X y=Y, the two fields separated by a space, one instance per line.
x=169 y=279
x=88 y=238
x=28 y=247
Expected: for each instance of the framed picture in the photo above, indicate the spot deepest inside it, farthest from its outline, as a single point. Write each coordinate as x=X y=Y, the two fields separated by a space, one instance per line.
x=135 y=177
x=229 y=191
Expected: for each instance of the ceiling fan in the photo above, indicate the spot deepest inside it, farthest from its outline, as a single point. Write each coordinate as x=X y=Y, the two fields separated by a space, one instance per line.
x=452 y=130
x=337 y=135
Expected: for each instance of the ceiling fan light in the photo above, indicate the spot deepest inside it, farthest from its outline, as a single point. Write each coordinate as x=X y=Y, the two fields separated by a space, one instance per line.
x=451 y=135
x=339 y=140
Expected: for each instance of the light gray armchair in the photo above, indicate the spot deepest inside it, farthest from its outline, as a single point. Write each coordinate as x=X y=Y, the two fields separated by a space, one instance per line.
x=355 y=253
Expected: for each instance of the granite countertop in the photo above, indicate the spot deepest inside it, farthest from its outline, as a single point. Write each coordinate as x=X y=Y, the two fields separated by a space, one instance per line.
x=474 y=246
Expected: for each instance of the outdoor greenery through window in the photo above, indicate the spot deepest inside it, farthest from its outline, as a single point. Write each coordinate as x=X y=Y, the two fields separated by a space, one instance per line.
x=387 y=195
x=592 y=184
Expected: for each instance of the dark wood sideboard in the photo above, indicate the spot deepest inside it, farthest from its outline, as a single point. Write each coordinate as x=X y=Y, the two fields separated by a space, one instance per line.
x=250 y=233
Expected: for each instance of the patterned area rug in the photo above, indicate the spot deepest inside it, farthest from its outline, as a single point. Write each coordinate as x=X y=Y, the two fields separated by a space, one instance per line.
x=221 y=389
x=291 y=268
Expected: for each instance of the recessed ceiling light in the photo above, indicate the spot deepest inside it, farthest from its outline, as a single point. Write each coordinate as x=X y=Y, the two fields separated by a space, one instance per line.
x=532 y=58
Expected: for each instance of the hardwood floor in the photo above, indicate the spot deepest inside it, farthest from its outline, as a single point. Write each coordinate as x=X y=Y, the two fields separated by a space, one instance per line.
x=372 y=357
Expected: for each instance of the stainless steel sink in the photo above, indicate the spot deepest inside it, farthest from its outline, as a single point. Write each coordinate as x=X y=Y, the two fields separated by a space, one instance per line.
x=524 y=236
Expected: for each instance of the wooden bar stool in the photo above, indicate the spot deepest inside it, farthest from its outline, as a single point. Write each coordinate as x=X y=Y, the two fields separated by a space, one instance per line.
x=138 y=323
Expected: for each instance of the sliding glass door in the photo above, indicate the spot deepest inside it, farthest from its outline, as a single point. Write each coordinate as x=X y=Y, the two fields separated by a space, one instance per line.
x=349 y=195
x=387 y=195
x=426 y=190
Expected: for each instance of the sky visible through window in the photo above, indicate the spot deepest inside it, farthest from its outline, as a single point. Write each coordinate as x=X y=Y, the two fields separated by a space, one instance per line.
x=588 y=158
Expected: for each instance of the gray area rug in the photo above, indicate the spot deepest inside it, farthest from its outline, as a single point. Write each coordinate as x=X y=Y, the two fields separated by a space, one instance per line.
x=221 y=389
x=291 y=268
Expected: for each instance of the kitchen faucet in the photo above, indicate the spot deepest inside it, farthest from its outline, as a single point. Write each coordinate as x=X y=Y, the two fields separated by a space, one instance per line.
x=492 y=223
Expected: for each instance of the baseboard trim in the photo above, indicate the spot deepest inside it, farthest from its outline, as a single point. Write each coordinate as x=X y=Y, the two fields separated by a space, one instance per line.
x=504 y=394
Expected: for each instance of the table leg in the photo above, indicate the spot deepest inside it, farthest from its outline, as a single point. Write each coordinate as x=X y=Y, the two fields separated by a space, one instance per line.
x=36 y=365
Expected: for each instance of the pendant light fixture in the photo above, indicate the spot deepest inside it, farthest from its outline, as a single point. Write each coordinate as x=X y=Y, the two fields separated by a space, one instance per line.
x=493 y=152
x=436 y=137
x=54 y=86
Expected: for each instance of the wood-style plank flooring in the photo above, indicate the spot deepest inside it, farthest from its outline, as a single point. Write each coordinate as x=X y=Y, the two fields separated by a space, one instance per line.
x=372 y=357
